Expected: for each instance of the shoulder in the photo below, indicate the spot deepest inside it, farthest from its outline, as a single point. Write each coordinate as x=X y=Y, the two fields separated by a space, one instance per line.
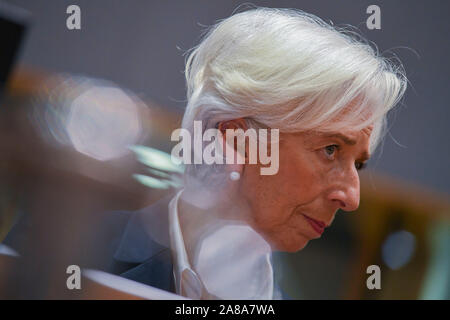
x=146 y=233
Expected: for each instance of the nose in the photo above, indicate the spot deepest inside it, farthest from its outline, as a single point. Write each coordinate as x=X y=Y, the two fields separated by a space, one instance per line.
x=345 y=190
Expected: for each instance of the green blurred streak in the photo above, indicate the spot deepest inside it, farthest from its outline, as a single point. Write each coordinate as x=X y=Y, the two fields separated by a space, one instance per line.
x=152 y=182
x=437 y=280
x=156 y=159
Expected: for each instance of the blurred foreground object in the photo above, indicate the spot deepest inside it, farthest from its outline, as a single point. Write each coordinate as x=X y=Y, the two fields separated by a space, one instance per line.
x=102 y=285
x=65 y=160
x=95 y=117
x=167 y=174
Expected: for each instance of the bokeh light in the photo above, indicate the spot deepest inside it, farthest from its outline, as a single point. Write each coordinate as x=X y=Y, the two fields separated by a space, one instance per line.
x=398 y=249
x=95 y=117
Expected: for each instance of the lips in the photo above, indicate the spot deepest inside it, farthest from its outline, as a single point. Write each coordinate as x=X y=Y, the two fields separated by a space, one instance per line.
x=317 y=225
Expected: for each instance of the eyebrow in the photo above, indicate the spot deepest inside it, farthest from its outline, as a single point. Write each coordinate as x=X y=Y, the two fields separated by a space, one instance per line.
x=347 y=140
x=343 y=137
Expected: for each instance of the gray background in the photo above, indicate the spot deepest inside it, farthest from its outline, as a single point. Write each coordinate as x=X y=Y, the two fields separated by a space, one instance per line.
x=139 y=44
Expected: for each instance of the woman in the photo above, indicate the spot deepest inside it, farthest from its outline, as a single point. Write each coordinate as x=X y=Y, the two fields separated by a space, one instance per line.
x=321 y=91
x=326 y=92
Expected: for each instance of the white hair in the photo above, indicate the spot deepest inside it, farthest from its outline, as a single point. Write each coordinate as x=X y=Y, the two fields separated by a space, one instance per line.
x=287 y=69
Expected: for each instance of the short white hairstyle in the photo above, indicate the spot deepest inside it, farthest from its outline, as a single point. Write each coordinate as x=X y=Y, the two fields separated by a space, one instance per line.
x=290 y=70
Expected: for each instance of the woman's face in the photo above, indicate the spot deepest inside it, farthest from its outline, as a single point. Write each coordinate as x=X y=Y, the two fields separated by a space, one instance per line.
x=318 y=174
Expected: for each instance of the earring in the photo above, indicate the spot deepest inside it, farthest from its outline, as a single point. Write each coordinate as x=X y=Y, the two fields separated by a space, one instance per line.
x=234 y=175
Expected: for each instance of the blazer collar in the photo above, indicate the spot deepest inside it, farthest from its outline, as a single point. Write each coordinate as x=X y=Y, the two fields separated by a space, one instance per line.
x=146 y=233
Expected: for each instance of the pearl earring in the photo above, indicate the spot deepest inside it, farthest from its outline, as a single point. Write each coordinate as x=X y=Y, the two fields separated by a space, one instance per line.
x=234 y=175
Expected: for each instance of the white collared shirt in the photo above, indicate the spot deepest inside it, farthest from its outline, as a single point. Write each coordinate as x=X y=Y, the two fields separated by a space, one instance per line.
x=233 y=262
x=187 y=283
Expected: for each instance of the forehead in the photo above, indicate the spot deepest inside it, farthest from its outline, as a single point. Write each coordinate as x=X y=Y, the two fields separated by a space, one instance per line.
x=355 y=134
x=351 y=137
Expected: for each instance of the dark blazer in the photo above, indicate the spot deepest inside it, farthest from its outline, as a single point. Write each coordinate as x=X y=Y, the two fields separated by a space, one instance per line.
x=134 y=245
x=143 y=252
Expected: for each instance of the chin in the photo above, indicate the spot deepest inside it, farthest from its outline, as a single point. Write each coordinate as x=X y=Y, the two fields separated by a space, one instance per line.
x=291 y=246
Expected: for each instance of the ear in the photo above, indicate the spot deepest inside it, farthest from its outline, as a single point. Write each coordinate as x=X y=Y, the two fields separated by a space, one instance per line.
x=230 y=151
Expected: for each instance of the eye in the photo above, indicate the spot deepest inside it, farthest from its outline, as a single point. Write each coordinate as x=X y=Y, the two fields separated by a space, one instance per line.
x=360 y=165
x=331 y=150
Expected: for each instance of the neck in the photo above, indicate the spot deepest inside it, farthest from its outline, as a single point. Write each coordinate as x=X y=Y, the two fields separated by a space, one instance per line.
x=197 y=222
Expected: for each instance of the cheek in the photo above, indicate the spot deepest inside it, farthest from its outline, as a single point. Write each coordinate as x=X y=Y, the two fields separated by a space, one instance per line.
x=272 y=199
x=303 y=177
x=265 y=196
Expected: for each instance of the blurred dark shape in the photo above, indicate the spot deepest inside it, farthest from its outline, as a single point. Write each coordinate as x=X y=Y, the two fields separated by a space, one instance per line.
x=13 y=24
